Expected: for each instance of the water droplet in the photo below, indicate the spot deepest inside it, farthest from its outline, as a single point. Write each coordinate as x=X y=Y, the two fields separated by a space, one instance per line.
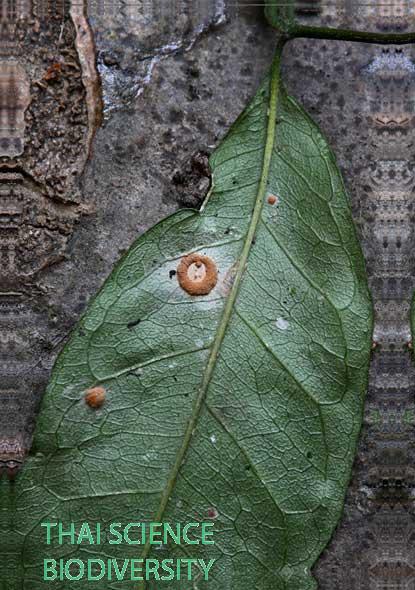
x=213 y=439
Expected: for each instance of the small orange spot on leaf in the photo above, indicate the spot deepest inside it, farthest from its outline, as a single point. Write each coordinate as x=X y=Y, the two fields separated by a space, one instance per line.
x=272 y=200
x=95 y=397
x=197 y=274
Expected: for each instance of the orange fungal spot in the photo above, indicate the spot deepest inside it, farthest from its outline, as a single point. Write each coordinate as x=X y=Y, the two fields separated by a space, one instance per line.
x=95 y=397
x=272 y=199
x=197 y=274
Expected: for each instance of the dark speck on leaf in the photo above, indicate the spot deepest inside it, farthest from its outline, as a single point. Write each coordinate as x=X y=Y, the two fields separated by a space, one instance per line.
x=212 y=513
x=172 y=273
x=131 y=325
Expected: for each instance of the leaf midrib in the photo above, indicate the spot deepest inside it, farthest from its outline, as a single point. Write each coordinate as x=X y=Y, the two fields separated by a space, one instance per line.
x=230 y=302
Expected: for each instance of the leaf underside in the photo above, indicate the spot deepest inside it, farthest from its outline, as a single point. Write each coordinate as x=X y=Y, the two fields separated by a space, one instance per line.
x=244 y=403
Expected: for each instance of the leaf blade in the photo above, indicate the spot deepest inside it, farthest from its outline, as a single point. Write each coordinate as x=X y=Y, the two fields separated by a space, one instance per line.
x=230 y=301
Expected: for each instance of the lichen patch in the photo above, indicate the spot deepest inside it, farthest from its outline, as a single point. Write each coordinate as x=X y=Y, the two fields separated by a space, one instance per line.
x=197 y=274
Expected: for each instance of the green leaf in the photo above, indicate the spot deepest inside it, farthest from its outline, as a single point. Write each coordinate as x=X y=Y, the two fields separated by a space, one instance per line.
x=242 y=406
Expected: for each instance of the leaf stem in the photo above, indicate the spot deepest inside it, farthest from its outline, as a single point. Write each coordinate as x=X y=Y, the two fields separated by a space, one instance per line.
x=284 y=22
x=230 y=302
x=349 y=35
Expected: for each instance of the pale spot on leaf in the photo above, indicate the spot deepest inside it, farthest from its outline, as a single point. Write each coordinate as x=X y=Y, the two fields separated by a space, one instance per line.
x=282 y=324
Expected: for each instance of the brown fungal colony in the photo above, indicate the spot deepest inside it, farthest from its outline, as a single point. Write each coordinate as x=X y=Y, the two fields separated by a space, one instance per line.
x=212 y=513
x=272 y=199
x=197 y=274
x=95 y=397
